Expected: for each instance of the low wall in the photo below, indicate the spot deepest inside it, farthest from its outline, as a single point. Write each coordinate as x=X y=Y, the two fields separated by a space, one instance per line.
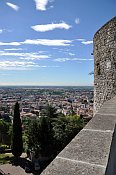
x=90 y=151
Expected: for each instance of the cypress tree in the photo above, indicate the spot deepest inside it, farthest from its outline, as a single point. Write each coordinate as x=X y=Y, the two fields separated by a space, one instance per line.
x=17 y=143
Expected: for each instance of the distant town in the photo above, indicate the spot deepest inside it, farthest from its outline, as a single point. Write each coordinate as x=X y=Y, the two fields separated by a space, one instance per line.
x=33 y=100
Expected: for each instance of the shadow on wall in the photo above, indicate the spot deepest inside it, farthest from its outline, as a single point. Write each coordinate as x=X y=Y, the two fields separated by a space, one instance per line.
x=111 y=166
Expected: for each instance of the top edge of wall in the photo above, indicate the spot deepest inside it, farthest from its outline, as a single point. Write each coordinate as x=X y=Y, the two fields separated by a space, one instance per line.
x=110 y=21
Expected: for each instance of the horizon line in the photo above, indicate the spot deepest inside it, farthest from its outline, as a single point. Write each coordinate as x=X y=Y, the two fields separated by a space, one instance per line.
x=49 y=85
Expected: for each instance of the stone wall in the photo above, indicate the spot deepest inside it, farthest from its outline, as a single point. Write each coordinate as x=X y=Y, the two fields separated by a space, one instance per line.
x=104 y=64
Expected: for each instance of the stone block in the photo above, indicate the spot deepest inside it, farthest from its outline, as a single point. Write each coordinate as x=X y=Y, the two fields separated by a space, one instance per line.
x=89 y=146
x=66 y=167
x=102 y=122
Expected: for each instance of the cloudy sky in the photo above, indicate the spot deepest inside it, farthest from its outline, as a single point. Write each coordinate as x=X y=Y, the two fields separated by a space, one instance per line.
x=49 y=42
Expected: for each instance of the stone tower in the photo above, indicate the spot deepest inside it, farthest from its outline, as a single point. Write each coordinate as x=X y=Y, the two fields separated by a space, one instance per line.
x=104 y=63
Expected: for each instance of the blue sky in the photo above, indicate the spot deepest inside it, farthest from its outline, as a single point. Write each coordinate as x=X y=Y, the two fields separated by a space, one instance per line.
x=49 y=42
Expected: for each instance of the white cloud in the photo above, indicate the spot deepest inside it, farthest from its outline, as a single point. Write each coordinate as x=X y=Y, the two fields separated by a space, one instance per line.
x=84 y=41
x=87 y=42
x=10 y=44
x=5 y=30
x=21 y=65
x=1 y=30
x=80 y=39
x=41 y=4
x=77 y=21
x=10 y=54
x=48 y=27
x=34 y=57
x=72 y=59
x=14 y=49
x=16 y=65
x=48 y=42
x=25 y=56
x=45 y=42
x=13 y=6
x=71 y=54
x=62 y=59
x=51 y=7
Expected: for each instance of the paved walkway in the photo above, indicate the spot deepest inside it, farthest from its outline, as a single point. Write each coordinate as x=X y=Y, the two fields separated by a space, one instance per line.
x=14 y=170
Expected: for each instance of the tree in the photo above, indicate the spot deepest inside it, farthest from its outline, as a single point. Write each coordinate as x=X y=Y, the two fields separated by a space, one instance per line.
x=17 y=143
x=65 y=128
x=60 y=135
x=5 y=135
x=33 y=135
x=40 y=137
x=50 y=112
x=52 y=132
x=46 y=137
x=75 y=124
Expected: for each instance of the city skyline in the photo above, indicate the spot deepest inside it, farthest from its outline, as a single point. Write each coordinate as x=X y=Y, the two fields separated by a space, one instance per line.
x=49 y=42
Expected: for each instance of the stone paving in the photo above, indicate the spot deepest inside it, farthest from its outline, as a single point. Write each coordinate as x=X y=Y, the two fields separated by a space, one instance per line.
x=14 y=170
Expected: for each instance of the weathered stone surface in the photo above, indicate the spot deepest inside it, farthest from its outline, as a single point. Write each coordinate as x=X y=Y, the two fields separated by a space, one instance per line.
x=109 y=107
x=104 y=64
x=108 y=111
x=66 y=167
x=102 y=122
x=89 y=146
